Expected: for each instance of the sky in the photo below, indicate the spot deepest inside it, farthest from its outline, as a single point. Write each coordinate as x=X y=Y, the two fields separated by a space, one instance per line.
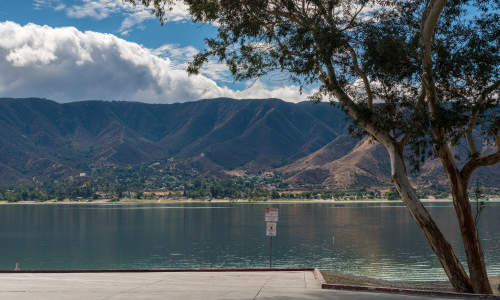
x=109 y=50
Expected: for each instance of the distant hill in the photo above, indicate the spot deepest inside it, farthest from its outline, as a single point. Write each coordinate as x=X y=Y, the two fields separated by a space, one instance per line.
x=45 y=139
x=347 y=162
x=343 y=163
x=307 y=142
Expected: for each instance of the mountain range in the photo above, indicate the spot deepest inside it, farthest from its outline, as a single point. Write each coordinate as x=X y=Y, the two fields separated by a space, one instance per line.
x=307 y=142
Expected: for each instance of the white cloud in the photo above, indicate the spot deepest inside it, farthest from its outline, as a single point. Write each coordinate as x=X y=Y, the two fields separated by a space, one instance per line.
x=136 y=15
x=66 y=64
x=102 y=9
x=59 y=7
x=181 y=56
x=259 y=90
x=37 y=4
x=133 y=20
x=54 y=4
x=95 y=9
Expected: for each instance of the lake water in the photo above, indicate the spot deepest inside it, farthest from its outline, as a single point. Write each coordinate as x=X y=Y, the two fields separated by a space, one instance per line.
x=371 y=239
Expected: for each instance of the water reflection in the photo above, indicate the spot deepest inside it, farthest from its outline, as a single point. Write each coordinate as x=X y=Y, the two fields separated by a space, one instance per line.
x=370 y=239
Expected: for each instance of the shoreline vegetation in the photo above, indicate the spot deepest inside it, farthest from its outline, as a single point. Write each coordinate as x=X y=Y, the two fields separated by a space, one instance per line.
x=244 y=201
x=172 y=186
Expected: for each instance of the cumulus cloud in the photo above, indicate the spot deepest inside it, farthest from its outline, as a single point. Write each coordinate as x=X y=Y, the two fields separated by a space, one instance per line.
x=66 y=64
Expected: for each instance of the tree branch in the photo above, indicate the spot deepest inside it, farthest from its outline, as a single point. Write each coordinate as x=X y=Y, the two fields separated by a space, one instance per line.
x=363 y=77
x=276 y=11
x=420 y=102
x=352 y=108
x=483 y=161
x=497 y=141
x=488 y=90
x=470 y=140
x=473 y=118
x=353 y=17
x=429 y=21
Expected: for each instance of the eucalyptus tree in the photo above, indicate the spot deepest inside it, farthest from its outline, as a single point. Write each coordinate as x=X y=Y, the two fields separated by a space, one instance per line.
x=459 y=55
x=416 y=76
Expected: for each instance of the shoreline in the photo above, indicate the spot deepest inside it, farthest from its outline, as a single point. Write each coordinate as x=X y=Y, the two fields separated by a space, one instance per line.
x=235 y=201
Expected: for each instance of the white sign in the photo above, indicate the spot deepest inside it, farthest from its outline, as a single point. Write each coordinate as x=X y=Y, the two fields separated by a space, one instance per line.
x=270 y=229
x=271 y=214
x=271 y=218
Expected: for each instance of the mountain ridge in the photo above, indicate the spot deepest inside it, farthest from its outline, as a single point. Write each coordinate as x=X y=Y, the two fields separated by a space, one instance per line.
x=308 y=143
x=38 y=135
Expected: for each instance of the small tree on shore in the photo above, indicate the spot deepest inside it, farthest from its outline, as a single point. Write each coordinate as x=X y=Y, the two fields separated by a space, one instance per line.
x=416 y=76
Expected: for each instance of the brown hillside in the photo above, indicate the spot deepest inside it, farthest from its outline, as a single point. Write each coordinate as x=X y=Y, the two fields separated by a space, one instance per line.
x=366 y=165
x=349 y=163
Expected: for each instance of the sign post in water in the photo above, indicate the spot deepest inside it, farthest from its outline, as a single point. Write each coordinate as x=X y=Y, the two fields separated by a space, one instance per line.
x=271 y=219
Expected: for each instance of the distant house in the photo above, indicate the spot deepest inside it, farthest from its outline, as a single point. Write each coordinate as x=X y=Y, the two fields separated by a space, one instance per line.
x=83 y=174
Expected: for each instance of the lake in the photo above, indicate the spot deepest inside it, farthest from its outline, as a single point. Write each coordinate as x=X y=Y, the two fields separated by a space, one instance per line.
x=371 y=239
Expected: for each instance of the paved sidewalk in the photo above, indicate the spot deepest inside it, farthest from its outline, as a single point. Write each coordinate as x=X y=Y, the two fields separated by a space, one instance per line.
x=184 y=285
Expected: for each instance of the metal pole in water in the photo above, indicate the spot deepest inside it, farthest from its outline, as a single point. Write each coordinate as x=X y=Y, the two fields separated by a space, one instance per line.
x=270 y=252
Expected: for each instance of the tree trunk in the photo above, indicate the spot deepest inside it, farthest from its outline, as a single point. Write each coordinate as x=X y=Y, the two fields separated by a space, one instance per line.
x=443 y=250
x=472 y=244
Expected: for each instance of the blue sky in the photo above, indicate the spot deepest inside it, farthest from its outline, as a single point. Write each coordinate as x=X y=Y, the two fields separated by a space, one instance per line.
x=148 y=33
x=106 y=49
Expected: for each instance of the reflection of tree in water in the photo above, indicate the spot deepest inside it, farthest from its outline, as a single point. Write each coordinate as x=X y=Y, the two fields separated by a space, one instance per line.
x=480 y=204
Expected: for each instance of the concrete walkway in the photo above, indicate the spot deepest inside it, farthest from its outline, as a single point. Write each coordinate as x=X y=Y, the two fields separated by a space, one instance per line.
x=184 y=286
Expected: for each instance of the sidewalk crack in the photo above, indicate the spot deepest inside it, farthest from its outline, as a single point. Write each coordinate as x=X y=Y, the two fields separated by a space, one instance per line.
x=261 y=288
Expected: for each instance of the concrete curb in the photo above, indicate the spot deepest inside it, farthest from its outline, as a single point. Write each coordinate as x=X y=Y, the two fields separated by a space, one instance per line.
x=319 y=277
x=361 y=288
x=155 y=270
